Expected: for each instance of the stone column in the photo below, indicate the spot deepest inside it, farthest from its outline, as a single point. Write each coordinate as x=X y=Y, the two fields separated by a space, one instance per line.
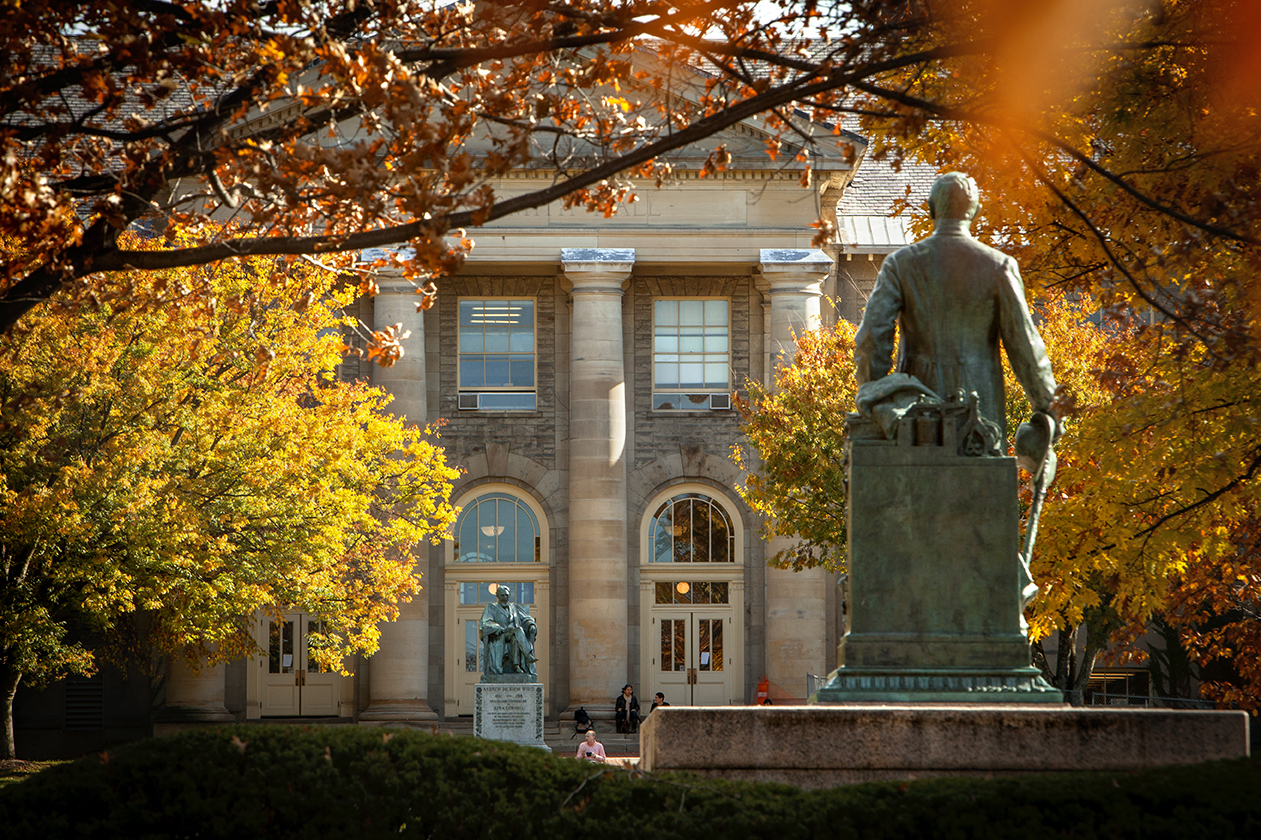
x=597 y=476
x=398 y=673
x=192 y=697
x=796 y=602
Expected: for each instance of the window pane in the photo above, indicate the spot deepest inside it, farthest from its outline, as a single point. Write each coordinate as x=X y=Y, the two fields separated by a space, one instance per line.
x=690 y=375
x=525 y=592
x=666 y=375
x=523 y=311
x=507 y=531
x=700 y=531
x=665 y=343
x=497 y=372
x=507 y=402
x=716 y=312
x=682 y=592
x=469 y=308
x=700 y=592
x=691 y=341
x=521 y=340
x=522 y=371
x=468 y=534
x=525 y=537
x=471 y=341
x=472 y=374
x=718 y=589
x=719 y=545
x=715 y=376
x=666 y=312
x=715 y=343
x=691 y=312
x=497 y=339
x=659 y=533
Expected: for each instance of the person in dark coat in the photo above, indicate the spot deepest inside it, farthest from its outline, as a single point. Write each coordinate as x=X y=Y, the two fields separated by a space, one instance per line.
x=627 y=710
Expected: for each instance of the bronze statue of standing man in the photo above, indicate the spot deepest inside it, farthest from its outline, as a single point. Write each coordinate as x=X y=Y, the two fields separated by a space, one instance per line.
x=958 y=301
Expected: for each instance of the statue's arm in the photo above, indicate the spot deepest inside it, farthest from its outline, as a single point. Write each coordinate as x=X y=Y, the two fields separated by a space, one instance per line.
x=873 y=345
x=1025 y=350
x=490 y=627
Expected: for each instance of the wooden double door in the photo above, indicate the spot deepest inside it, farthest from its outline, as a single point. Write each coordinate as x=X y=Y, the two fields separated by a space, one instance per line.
x=693 y=663
x=290 y=682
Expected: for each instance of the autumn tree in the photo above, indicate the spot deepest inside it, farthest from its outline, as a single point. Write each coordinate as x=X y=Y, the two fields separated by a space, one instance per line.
x=181 y=467
x=346 y=125
x=794 y=463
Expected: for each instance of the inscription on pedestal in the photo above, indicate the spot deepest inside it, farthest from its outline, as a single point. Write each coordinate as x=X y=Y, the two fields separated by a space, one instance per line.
x=509 y=712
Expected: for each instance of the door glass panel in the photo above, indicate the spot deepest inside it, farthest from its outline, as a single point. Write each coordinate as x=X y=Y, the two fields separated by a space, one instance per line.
x=470 y=646
x=715 y=640
x=703 y=643
x=314 y=627
x=280 y=648
x=680 y=644
x=673 y=644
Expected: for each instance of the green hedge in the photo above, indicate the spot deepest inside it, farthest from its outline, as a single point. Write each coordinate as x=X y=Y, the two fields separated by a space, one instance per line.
x=334 y=782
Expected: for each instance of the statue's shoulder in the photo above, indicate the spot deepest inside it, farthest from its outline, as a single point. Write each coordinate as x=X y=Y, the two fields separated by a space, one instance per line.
x=991 y=253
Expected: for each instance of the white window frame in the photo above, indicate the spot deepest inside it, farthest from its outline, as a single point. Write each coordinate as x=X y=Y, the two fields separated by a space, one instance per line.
x=467 y=391
x=713 y=397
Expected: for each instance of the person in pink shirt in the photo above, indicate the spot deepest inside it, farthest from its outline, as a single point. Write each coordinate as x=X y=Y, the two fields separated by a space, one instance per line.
x=591 y=749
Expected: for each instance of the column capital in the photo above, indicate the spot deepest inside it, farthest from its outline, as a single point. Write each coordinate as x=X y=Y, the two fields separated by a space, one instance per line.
x=795 y=270
x=597 y=270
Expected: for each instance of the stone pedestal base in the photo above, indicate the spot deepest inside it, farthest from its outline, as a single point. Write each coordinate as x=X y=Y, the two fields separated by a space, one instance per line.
x=827 y=746
x=509 y=710
x=935 y=580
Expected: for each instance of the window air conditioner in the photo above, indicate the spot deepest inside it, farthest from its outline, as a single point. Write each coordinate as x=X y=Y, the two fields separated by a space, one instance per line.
x=720 y=402
x=470 y=402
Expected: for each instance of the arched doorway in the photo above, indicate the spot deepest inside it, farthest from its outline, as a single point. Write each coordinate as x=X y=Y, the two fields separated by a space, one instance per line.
x=692 y=598
x=500 y=537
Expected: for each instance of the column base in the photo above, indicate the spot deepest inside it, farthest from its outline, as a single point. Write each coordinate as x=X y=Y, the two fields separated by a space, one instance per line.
x=400 y=710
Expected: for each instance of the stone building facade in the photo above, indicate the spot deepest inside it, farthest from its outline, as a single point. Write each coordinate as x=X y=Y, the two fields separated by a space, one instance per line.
x=583 y=369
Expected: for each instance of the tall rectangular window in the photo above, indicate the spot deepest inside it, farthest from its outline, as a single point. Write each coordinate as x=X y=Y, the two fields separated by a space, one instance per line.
x=497 y=371
x=691 y=352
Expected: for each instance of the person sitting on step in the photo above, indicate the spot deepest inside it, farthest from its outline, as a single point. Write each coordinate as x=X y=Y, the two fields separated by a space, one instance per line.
x=626 y=710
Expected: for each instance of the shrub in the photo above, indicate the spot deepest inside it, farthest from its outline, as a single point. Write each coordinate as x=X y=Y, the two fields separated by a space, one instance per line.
x=333 y=782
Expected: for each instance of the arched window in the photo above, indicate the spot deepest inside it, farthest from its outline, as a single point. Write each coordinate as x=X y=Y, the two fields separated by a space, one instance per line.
x=691 y=528
x=497 y=528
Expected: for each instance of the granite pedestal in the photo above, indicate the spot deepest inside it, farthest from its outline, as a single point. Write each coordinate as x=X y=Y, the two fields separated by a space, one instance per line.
x=934 y=579
x=827 y=746
x=509 y=707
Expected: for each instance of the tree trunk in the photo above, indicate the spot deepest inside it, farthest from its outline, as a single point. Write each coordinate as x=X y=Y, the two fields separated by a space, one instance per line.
x=9 y=679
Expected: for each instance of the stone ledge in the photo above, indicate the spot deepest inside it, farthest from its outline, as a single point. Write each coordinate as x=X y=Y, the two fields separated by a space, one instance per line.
x=824 y=746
